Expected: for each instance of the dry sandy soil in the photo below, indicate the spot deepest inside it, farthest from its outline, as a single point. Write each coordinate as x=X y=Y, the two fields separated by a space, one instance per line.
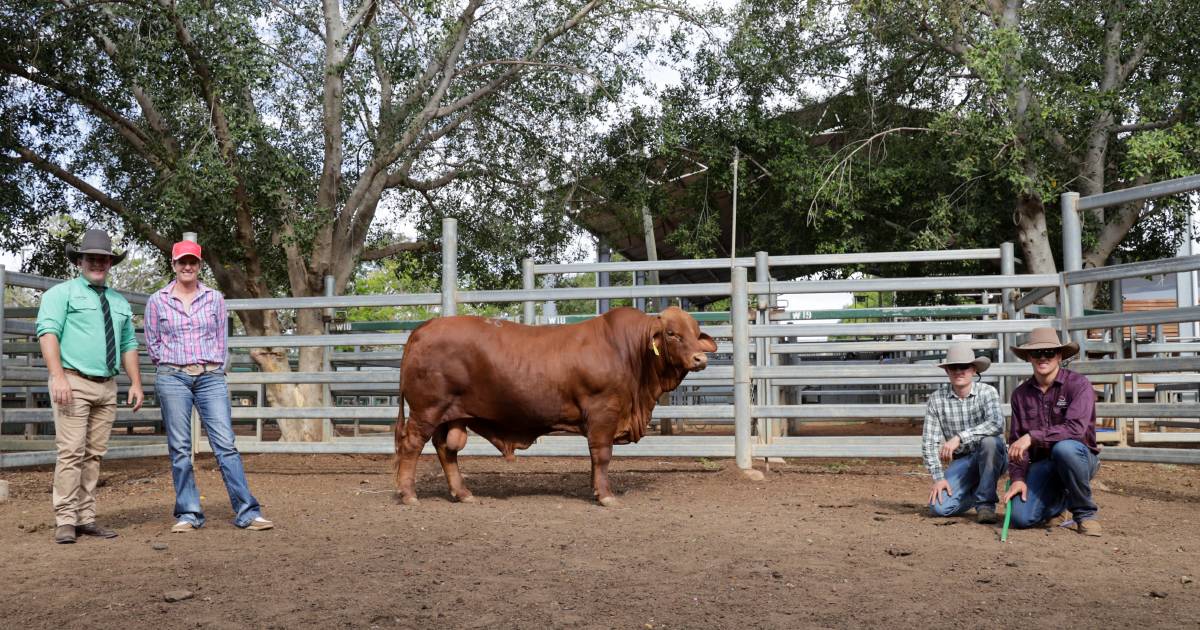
x=821 y=544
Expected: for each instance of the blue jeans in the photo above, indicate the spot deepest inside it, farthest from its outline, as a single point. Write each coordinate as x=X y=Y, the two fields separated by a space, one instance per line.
x=1060 y=482
x=177 y=392
x=972 y=478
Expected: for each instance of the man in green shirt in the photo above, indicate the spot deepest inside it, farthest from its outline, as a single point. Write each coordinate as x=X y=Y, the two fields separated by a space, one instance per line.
x=83 y=327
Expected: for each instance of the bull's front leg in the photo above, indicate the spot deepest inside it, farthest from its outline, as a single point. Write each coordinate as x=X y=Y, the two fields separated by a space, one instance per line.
x=600 y=443
x=601 y=455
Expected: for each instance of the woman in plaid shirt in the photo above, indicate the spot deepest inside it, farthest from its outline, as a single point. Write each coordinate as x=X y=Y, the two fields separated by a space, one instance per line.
x=964 y=426
x=185 y=337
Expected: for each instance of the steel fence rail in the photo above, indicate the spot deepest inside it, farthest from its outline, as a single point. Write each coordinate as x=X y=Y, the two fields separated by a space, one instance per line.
x=42 y=458
x=887 y=372
x=337 y=301
x=1032 y=297
x=774 y=261
x=882 y=329
x=650 y=446
x=1177 y=346
x=17 y=327
x=686 y=412
x=1133 y=270
x=924 y=283
x=993 y=331
x=41 y=283
x=1137 y=318
x=828 y=347
x=303 y=341
x=1140 y=193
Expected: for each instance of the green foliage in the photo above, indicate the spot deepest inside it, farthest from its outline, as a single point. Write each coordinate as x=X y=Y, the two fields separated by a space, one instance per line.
x=142 y=274
x=152 y=118
x=889 y=126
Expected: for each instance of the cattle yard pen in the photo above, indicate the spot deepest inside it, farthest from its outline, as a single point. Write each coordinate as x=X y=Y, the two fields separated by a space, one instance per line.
x=768 y=391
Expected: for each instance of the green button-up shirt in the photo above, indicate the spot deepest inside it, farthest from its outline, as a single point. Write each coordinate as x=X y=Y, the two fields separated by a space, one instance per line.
x=71 y=311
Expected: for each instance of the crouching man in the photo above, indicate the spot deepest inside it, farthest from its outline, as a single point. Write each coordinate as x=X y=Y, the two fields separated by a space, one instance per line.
x=1053 y=450
x=964 y=426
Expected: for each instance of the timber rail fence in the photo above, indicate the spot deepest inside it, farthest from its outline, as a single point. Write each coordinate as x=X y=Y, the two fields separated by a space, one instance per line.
x=758 y=411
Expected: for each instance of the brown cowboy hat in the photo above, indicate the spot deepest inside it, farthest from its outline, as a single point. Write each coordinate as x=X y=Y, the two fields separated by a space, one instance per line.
x=94 y=242
x=1042 y=339
x=962 y=354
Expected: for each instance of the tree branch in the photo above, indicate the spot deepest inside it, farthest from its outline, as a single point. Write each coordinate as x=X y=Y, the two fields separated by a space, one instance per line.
x=122 y=125
x=360 y=19
x=403 y=179
x=841 y=165
x=393 y=249
x=362 y=15
x=1171 y=121
x=299 y=19
x=528 y=59
x=95 y=194
x=150 y=112
x=204 y=74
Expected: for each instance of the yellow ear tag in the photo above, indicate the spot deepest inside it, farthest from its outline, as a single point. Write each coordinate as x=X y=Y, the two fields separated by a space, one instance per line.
x=654 y=345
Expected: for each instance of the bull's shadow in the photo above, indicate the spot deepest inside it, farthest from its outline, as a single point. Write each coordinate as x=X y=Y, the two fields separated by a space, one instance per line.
x=517 y=484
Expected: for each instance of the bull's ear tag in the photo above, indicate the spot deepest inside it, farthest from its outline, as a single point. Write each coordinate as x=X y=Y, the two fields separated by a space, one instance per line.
x=654 y=346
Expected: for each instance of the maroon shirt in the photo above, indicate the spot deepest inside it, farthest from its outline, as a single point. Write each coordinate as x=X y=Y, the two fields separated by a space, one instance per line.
x=1067 y=411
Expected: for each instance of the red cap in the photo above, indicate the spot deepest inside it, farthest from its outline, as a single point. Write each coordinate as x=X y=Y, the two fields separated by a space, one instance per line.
x=185 y=248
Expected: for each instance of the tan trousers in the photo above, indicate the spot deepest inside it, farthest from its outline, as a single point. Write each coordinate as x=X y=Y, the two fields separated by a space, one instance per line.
x=81 y=432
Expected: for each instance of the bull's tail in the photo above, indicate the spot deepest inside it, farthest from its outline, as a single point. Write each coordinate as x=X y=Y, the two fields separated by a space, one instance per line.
x=398 y=432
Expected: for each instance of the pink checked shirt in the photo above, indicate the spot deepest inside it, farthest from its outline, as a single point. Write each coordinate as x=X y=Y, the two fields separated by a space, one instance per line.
x=179 y=337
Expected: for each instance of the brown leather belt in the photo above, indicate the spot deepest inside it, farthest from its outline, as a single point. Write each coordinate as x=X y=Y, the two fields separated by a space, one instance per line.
x=94 y=379
x=196 y=369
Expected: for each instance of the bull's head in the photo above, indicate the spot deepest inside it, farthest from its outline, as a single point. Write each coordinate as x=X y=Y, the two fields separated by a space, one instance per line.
x=678 y=338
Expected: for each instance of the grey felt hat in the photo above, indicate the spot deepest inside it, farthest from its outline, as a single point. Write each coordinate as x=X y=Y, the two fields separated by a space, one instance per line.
x=94 y=242
x=962 y=354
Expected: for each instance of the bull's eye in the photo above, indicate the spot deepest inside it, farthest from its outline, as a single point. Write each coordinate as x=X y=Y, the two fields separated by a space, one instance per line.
x=673 y=335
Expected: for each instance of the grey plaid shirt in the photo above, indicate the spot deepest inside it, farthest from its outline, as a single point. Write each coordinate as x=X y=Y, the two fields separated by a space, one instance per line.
x=972 y=418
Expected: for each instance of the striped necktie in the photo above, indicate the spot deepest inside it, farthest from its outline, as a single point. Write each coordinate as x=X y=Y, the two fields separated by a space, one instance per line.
x=110 y=338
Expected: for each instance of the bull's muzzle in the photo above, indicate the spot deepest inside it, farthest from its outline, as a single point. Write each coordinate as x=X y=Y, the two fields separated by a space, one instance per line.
x=699 y=361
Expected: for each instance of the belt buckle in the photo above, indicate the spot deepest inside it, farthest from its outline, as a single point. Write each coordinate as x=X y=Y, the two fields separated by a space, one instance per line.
x=194 y=369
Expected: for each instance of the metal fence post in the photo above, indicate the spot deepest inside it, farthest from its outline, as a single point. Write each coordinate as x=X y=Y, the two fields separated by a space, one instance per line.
x=1064 y=308
x=1117 y=304
x=603 y=254
x=762 y=273
x=1008 y=267
x=550 y=307
x=1072 y=237
x=326 y=365
x=29 y=391
x=449 y=267
x=741 y=368
x=639 y=279
x=528 y=282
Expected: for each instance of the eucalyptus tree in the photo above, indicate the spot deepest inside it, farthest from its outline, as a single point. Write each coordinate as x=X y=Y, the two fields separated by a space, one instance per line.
x=1047 y=97
x=293 y=135
x=902 y=124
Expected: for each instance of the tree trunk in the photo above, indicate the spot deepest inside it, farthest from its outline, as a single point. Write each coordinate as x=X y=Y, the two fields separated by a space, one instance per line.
x=1034 y=238
x=275 y=360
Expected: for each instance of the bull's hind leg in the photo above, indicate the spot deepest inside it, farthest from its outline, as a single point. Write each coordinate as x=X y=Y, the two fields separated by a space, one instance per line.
x=417 y=432
x=449 y=439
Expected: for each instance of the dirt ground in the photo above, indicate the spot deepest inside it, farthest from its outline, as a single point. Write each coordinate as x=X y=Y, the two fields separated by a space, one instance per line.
x=817 y=544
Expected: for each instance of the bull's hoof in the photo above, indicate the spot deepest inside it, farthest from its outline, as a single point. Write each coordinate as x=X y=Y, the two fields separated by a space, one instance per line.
x=466 y=498
x=752 y=474
x=408 y=499
x=609 y=501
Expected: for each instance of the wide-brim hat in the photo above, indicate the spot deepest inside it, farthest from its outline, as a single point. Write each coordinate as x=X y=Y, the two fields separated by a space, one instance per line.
x=94 y=242
x=962 y=354
x=1045 y=339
